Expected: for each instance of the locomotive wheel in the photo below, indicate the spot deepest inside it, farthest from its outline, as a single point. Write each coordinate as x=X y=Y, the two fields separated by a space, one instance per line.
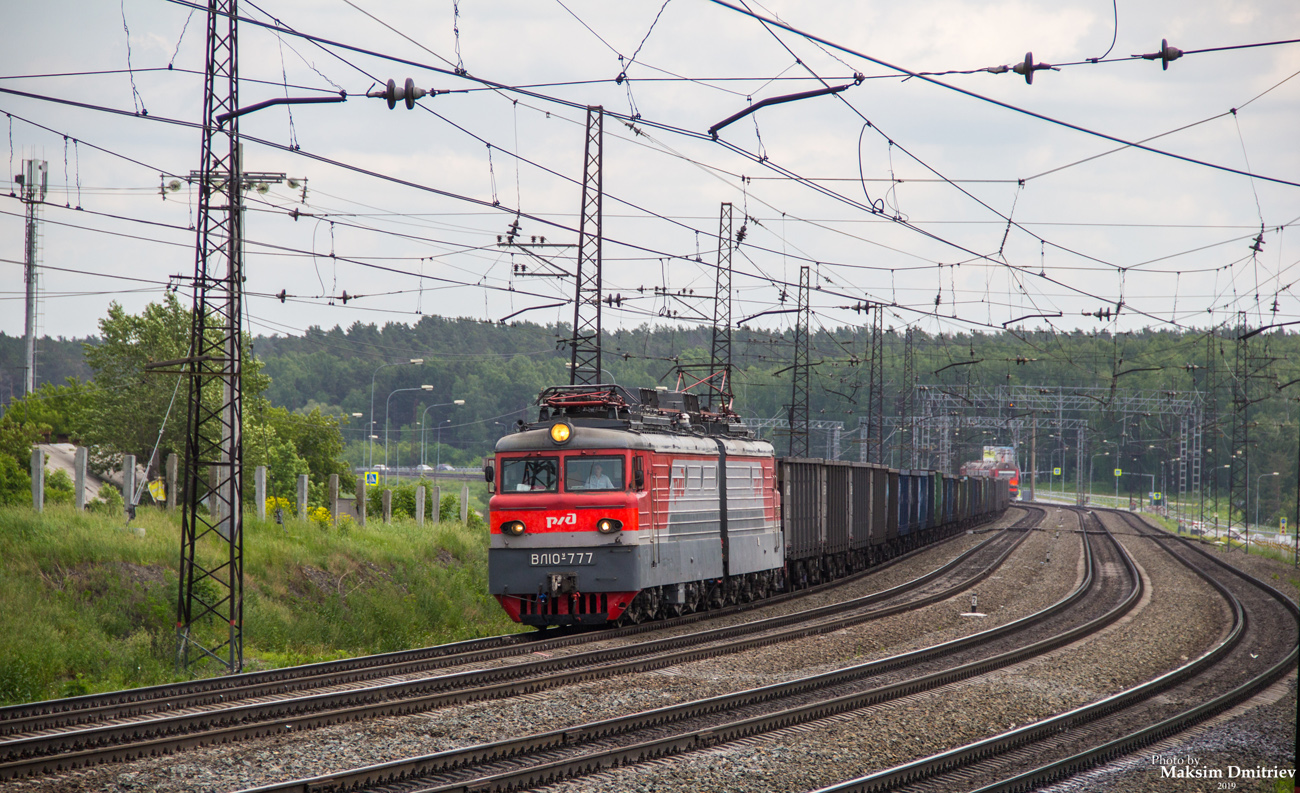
x=653 y=602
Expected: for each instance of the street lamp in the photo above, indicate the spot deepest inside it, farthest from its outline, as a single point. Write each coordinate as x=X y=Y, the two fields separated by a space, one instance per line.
x=370 y=457
x=439 y=453
x=422 y=422
x=1153 y=484
x=1257 y=481
x=1091 y=461
x=387 y=403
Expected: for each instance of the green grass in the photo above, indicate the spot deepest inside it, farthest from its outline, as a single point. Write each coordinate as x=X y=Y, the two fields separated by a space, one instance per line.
x=87 y=605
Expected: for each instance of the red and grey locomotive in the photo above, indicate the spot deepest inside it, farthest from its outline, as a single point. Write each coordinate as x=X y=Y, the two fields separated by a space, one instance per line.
x=617 y=506
x=614 y=506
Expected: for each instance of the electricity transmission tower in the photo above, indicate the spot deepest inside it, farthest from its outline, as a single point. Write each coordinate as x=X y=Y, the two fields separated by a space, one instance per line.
x=584 y=363
x=210 y=608
x=720 y=358
x=799 y=390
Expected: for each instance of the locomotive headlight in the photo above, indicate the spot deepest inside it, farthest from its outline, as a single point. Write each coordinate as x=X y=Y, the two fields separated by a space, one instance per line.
x=513 y=527
x=561 y=432
x=608 y=525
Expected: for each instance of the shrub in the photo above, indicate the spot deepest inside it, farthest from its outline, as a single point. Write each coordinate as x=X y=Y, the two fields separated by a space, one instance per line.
x=109 y=501
x=59 y=488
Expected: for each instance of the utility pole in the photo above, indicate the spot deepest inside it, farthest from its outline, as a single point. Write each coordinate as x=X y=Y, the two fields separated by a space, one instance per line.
x=720 y=359
x=906 y=432
x=876 y=390
x=1239 y=473
x=584 y=363
x=33 y=181
x=1033 y=460
x=210 y=608
x=799 y=388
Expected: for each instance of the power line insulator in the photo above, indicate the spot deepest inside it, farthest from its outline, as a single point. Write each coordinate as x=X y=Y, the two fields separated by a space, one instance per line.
x=282 y=295
x=1165 y=55
x=1028 y=67
x=392 y=94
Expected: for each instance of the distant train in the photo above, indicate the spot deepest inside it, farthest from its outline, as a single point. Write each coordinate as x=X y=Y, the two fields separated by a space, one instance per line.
x=621 y=507
x=1004 y=469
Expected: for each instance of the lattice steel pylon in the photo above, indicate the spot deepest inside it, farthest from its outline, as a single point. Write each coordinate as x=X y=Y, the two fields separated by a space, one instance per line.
x=210 y=608
x=720 y=357
x=584 y=362
x=1239 y=473
x=906 y=398
x=876 y=390
x=799 y=388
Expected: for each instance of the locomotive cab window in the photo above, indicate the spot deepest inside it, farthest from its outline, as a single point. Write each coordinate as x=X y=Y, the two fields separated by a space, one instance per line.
x=533 y=474
x=582 y=474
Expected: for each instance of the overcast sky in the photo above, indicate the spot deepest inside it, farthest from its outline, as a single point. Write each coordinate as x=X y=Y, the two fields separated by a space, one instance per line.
x=1170 y=239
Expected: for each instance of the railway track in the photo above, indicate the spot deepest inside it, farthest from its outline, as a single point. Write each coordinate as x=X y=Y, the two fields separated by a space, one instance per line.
x=68 y=712
x=1261 y=646
x=533 y=760
x=200 y=715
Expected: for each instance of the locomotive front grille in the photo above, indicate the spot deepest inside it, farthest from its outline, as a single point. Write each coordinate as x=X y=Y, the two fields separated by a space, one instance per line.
x=578 y=603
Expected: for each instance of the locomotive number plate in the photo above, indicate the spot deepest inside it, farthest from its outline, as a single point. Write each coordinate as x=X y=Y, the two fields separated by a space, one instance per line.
x=562 y=558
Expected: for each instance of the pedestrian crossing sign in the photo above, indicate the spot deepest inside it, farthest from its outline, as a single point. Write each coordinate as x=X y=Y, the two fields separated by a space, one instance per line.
x=1056 y=472
x=372 y=478
x=1119 y=472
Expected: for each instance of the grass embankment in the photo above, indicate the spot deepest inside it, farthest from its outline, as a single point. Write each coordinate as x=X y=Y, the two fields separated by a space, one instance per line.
x=88 y=606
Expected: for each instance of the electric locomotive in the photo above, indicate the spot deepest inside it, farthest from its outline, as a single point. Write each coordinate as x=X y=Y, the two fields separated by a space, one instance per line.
x=621 y=506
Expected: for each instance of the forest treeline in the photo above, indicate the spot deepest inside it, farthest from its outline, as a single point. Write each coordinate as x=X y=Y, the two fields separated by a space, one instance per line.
x=498 y=370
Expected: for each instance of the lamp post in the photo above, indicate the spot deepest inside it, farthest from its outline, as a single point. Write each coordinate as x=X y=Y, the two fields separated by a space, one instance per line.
x=1257 y=484
x=438 y=463
x=1153 y=483
x=370 y=457
x=423 y=425
x=388 y=403
x=1091 y=461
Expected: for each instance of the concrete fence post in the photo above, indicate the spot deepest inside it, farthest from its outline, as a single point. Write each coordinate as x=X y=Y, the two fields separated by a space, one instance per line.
x=79 y=469
x=259 y=491
x=334 y=498
x=173 y=493
x=436 y=495
x=128 y=482
x=302 y=497
x=464 y=503
x=38 y=479
x=387 y=496
x=419 y=505
x=362 y=500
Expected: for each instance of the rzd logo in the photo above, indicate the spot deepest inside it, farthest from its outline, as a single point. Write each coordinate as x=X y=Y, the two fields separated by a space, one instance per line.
x=563 y=520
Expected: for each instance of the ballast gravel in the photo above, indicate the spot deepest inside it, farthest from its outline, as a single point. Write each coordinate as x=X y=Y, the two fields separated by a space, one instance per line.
x=1181 y=617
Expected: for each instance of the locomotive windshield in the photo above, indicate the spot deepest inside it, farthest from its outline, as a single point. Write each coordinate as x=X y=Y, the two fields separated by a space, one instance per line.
x=593 y=473
x=538 y=474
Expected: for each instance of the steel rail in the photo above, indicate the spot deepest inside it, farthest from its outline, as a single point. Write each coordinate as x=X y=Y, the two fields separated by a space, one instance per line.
x=409 y=769
x=58 y=713
x=74 y=749
x=1173 y=725
x=969 y=754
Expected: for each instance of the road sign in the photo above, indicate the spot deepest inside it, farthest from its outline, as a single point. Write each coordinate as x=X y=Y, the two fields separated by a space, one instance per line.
x=1119 y=472
x=1056 y=472
x=1155 y=496
x=1283 y=526
x=372 y=478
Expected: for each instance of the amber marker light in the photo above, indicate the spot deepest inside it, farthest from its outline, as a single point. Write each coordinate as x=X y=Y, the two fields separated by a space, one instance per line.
x=560 y=433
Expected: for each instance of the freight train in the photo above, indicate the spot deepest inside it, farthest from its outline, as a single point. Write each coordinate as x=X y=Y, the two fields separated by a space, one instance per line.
x=617 y=506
